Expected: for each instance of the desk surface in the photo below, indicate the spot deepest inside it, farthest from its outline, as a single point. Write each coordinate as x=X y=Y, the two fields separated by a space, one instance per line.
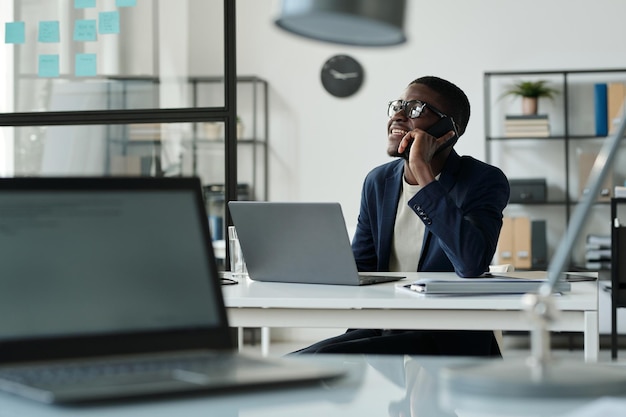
x=249 y=293
x=374 y=386
x=384 y=306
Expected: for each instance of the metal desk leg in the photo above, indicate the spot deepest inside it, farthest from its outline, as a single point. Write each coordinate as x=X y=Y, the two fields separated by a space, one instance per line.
x=240 y=338
x=265 y=341
x=592 y=336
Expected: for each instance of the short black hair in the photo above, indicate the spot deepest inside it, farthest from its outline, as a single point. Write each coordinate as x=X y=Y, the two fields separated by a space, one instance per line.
x=457 y=104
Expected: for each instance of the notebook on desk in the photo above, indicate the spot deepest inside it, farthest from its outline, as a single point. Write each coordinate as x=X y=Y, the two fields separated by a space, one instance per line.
x=492 y=284
x=298 y=243
x=109 y=289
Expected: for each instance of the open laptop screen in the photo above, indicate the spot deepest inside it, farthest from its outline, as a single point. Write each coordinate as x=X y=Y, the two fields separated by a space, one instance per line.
x=81 y=262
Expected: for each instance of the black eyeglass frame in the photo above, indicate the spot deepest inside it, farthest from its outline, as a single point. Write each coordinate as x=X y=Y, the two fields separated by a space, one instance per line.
x=404 y=105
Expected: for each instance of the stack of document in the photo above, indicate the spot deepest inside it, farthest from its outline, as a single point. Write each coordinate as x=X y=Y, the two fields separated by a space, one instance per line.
x=492 y=285
x=526 y=126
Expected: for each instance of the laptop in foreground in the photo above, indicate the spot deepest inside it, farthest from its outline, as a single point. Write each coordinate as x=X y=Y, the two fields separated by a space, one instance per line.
x=298 y=243
x=109 y=289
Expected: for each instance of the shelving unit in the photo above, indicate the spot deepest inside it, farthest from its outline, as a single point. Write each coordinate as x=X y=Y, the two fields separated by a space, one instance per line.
x=139 y=146
x=618 y=268
x=253 y=108
x=555 y=157
x=252 y=147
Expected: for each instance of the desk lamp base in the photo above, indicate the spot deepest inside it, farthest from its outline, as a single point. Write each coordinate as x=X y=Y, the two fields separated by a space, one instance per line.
x=539 y=376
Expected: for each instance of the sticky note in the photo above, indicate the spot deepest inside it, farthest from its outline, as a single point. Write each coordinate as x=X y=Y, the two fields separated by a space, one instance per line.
x=49 y=31
x=85 y=65
x=125 y=3
x=84 y=4
x=14 y=32
x=48 y=66
x=85 y=30
x=108 y=22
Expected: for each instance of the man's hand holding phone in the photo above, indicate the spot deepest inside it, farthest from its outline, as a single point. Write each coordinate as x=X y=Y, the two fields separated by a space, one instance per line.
x=444 y=131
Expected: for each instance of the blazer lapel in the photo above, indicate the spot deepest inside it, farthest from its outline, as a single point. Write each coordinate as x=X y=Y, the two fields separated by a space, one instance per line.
x=449 y=173
x=387 y=215
x=447 y=179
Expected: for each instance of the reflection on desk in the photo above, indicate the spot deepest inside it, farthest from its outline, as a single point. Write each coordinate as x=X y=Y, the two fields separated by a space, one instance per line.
x=375 y=386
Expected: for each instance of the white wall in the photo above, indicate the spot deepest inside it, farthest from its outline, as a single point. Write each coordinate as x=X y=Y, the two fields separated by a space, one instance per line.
x=322 y=147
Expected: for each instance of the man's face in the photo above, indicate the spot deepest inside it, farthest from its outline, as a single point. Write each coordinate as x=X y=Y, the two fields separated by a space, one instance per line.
x=399 y=124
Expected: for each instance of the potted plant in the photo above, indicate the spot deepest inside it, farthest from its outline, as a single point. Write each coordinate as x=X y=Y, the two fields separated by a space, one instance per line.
x=530 y=92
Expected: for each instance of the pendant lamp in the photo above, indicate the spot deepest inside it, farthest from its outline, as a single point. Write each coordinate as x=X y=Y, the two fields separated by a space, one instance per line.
x=348 y=22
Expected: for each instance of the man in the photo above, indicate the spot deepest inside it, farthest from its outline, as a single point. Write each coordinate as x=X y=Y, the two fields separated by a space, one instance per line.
x=429 y=210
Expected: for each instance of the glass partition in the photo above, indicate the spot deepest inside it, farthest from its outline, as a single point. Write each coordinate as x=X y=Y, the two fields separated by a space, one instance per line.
x=73 y=55
x=141 y=149
x=128 y=87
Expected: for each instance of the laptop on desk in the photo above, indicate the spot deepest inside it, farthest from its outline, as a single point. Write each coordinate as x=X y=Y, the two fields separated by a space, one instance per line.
x=298 y=243
x=109 y=289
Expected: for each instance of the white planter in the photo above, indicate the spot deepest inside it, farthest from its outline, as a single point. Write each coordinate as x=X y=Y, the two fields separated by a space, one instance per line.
x=240 y=130
x=212 y=131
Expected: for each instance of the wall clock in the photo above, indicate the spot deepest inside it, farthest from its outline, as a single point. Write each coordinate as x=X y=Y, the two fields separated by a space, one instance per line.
x=342 y=75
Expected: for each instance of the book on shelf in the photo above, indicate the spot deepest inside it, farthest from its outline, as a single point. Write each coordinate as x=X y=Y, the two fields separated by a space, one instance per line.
x=597 y=265
x=131 y=165
x=598 y=255
x=125 y=165
x=144 y=131
x=601 y=109
x=529 y=128
x=596 y=246
x=599 y=240
x=527 y=125
x=527 y=119
x=616 y=93
x=527 y=133
x=586 y=160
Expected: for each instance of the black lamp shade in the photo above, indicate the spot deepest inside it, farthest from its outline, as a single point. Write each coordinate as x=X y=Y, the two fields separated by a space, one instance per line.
x=349 y=22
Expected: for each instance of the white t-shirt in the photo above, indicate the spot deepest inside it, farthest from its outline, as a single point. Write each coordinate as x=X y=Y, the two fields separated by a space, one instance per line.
x=408 y=233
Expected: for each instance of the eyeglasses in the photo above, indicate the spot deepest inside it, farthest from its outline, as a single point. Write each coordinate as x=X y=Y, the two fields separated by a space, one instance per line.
x=412 y=108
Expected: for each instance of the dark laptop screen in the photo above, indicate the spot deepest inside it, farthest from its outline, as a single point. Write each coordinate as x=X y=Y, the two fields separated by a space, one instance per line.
x=85 y=262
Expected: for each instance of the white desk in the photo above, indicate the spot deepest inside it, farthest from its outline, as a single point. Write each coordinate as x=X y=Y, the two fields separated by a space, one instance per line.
x=263 y=304
x=374 y=386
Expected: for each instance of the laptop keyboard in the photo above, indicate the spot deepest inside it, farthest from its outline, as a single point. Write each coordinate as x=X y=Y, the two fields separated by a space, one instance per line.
x=66 y=373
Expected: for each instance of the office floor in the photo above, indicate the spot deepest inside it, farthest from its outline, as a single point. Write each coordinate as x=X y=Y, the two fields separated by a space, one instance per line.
x=568 y=346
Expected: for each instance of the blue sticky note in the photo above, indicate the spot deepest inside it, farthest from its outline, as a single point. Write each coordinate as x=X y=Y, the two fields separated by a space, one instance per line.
x=85 y=30
x=84 y=4
x=125 y=3
x=48 y=65
x=14 y=32
x=86 y=65
x=108 y=22
x=49 y=31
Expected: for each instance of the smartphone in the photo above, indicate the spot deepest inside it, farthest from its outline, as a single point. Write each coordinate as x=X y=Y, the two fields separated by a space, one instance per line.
x=443 y=126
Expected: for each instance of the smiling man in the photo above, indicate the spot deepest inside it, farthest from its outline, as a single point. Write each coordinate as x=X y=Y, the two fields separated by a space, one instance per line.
x=428 y=210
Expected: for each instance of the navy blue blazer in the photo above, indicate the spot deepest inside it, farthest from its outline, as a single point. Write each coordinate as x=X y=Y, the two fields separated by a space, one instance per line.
x=462 y=212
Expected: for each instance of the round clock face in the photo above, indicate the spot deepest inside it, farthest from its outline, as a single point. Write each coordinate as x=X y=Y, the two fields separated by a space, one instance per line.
x=342 y=75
